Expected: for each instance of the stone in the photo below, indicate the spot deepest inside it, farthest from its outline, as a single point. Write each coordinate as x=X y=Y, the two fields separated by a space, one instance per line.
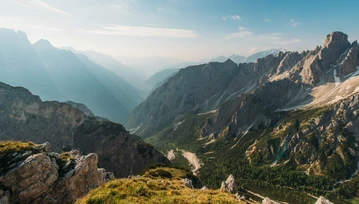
x=187 y=182
x=229 y=185
x=204 y=188
x=37 y=178
x=268 y=201
x=46 y=146
x=322 y=200
x=4 y=200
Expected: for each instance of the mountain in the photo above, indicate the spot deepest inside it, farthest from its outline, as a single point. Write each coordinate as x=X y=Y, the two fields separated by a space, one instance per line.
x=159 y=78
x=56 y=74
x=288 y=120
x=235 y=58
x=20 y=65
x=81 y=107
x=253 y=57
x=130 y=74
x=25 y=117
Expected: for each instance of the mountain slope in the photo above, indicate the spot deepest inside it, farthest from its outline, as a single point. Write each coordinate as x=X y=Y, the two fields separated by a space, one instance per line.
x=130 y=74
x=56 y=74
x=235 y=58
x=19 y=65
x=159 y=78
x=288 y=120
x=253 y=57
x=25 y=117
x=204 y=88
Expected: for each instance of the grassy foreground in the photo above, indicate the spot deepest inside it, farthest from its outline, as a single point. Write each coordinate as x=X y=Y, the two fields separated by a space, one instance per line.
x=160 y=185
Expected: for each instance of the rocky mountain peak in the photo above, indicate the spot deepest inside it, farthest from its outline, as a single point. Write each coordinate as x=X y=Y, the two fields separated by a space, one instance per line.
x=43 y=44
x=10 y=36
x=355 y=43
x=336 y=39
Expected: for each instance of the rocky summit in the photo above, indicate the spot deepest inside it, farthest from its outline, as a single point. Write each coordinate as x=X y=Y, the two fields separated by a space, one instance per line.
x=26 y=117
x=31 y=173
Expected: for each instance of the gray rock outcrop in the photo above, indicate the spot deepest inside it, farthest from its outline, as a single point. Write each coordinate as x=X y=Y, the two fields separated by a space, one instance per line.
x=268 y=201
x=40 y=176
x=229 y=185
x=187 y=182
x=322 y=200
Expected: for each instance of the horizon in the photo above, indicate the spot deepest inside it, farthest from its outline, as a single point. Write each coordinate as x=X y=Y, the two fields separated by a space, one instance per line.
x=183 y=30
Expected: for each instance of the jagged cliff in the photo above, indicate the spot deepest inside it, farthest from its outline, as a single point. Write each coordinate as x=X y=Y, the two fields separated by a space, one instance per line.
x=31 y=173
x=211 y=86
x=25 y=117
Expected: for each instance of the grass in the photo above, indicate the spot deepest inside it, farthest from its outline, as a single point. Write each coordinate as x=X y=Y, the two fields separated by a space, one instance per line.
x=10 y=147
x=154 y=189
x=7 y=150
x=65 y=156
x=167 y=172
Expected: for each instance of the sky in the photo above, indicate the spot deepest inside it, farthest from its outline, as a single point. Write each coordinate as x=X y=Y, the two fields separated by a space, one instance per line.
x=189 y=30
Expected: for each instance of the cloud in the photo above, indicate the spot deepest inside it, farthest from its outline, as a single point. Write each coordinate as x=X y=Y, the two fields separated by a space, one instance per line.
x=242 y=28
x=240 y=34
x=160 y=9
x=266 y=20
x=232 y=17
x=253 y=49
x=122 y=30
x=122 y=8
x=293 y=23
x=269 y=38
x=21 y=4
x=50 y=8
x=285 y=42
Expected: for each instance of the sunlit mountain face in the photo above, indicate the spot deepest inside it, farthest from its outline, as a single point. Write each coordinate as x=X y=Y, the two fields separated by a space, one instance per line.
x=166 y=101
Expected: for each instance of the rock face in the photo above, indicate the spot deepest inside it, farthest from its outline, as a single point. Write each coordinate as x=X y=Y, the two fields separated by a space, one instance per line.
x=229 y=185
x=227 y=86
x=25 y=117
x=322 y=200
x=37 y=175
x=81 y=107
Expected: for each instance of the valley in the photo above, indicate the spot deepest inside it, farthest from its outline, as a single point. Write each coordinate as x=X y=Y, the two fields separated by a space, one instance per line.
x=189 y=102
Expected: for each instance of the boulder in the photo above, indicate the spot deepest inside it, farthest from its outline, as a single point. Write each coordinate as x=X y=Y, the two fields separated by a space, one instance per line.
x=47 y=177
x=229 y=185
x=187 y=182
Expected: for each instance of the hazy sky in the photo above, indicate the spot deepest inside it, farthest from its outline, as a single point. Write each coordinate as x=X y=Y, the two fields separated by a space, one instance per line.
x=184 y=29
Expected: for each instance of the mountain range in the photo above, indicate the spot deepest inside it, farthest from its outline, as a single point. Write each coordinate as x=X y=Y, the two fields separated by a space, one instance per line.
x=283 y=123
x=159 y=78
x=56 y=74
x=293 y=112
